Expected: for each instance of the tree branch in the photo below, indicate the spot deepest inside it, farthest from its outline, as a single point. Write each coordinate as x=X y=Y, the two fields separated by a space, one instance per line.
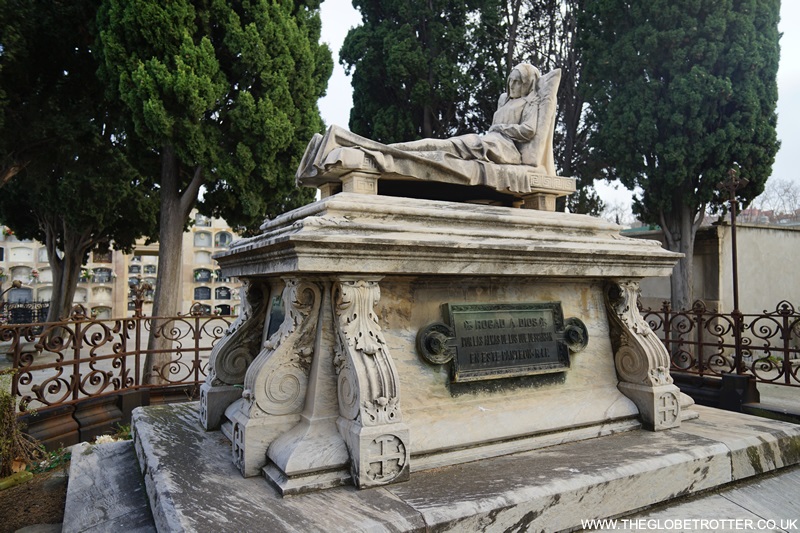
x=189 y=196
x=10 y=171
x=666 y=231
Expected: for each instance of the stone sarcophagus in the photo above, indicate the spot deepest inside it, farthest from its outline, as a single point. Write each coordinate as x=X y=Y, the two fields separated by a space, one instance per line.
x=384 y=335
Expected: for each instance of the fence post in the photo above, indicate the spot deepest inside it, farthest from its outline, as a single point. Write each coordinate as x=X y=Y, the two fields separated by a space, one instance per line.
x=786 y=336
x=197 y=349
x=699 y=311
x=666 y=307
x=139 y=289
x=77 y=344
x=17 y=345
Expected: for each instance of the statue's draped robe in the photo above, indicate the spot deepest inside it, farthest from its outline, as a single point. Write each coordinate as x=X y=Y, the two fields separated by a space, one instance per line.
x=519 y=143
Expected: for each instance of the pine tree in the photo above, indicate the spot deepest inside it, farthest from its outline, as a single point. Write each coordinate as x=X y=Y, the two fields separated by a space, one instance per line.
x=409 y=62
x=436 y=68
x=69 y=180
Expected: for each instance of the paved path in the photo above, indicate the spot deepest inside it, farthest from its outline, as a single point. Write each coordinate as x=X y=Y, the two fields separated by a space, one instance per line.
x=768 y=503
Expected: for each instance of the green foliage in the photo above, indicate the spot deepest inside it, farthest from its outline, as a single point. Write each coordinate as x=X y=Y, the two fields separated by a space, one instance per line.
x=17 y=449
x=488 y=64
x=123 y=432
x=73 y=182
x=229 y=88
x=437 y=69
x=679 y=92
x=547 y=36
x=417 y=69
x=51 y=460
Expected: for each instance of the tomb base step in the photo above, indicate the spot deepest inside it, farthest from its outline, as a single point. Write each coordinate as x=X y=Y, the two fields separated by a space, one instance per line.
x=195 y=486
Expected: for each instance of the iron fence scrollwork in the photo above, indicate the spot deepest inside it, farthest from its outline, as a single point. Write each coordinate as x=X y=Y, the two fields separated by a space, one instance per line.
x=703 y=341
x=82 y=357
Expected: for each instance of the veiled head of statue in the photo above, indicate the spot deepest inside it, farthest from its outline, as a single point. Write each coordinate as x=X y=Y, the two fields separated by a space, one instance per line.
x=522 y=80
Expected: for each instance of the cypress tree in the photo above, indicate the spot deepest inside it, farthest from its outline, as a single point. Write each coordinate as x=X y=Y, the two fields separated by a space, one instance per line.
x=680 y=92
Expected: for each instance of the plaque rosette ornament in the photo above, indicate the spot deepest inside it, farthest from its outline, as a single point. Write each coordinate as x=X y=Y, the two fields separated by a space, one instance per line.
x=370 y=420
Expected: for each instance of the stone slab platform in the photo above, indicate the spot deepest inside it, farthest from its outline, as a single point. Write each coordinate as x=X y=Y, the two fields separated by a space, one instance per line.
x=193 y=485
x=106 y=491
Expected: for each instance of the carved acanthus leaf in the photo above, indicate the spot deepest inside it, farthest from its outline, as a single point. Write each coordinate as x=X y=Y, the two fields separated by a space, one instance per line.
x=639 y=355
x=380 y=411
x=367 y=375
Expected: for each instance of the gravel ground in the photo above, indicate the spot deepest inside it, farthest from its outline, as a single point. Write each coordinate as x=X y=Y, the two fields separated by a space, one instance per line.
x=39 y=501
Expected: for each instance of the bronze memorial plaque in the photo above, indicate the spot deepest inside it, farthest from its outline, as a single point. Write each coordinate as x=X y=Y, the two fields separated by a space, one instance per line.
x=502 y=340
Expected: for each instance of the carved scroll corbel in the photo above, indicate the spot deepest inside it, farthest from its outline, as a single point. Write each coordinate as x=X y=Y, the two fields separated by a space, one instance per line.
x=370 y=419
x=641 y=360
x=639 y=355
x=275 y=384
x=232 y=355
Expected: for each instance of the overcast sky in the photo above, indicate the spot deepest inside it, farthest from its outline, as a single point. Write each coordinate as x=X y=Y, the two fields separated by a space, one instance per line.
x=338 y=16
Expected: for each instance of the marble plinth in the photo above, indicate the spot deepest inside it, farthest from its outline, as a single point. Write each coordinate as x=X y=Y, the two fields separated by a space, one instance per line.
x=335 y=388
x=194 y=487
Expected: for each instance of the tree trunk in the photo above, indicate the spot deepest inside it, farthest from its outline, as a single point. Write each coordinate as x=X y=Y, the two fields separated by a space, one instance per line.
x=61 y=301
x=66 y=269
x=175 y=209
x=512 y=19
x=679 y=230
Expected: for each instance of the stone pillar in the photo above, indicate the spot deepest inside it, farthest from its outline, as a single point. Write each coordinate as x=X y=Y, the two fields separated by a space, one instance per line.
x=312 y=455
x=539 y=201
x=370 y=419
x=329 y=189
x=641 y=360
x=360 y=182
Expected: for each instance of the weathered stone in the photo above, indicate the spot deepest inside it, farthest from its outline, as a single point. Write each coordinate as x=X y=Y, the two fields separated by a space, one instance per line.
x=402 y=236
x=106 y=491
x=511 y=164
x=549 y=489
x=359 y=279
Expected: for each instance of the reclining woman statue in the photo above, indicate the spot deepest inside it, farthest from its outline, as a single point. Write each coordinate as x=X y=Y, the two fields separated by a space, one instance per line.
x=519 y=142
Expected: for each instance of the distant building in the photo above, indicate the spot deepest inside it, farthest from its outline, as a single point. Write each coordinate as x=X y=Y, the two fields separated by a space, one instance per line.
x=767 y=259
x=104 y=285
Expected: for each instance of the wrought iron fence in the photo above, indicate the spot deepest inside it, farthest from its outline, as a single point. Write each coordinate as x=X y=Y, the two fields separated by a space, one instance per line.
x=703 y=341
x=81 y=357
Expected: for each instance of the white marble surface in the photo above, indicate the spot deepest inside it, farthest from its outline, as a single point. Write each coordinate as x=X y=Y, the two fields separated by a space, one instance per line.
x=756 y=444
x=443 y=416
x=549 y=489
x=768 y=503
x=354 y=233
x=427 y=253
